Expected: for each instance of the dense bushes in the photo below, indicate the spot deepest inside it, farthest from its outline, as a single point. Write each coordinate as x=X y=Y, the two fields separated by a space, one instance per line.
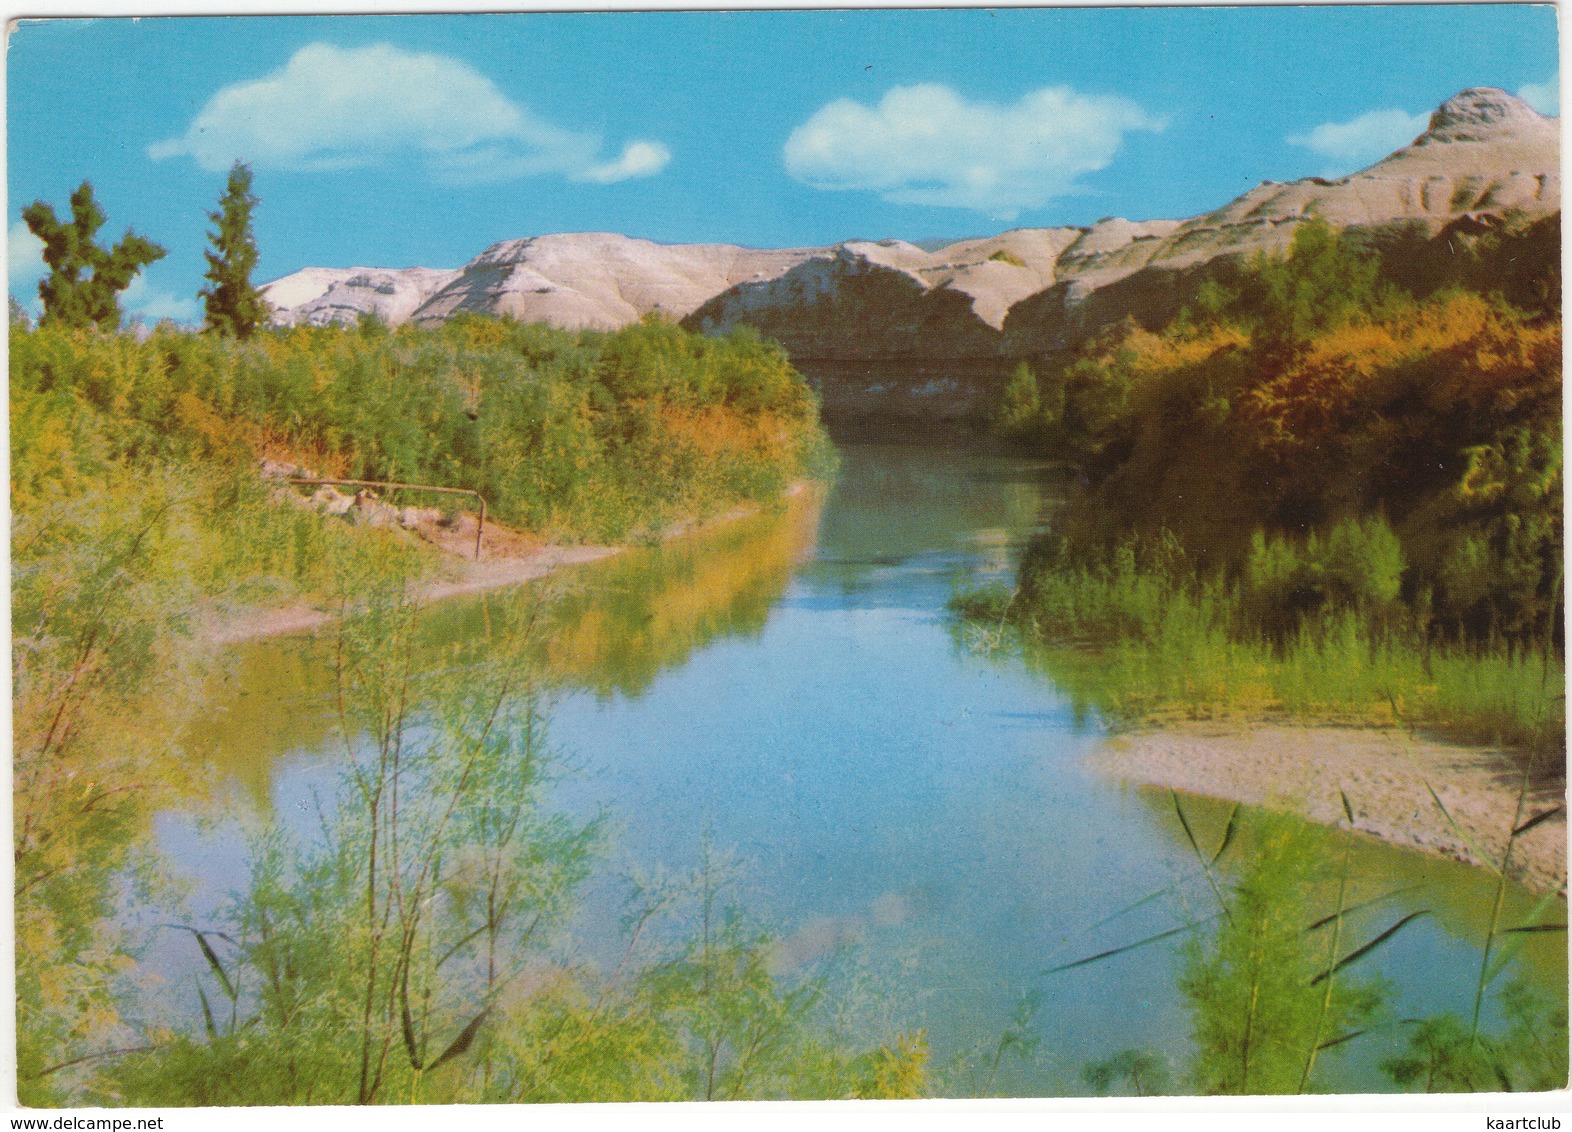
x=137 y=511
x=572 y=435
x=1319 y=443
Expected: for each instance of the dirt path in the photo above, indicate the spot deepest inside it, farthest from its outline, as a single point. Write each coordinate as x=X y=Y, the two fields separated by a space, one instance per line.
x=507 y=557
x=1386 y=773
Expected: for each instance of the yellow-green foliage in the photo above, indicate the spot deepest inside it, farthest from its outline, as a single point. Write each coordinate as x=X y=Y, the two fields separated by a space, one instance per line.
x=1257 y=990
x=137 y=512
x=1312 y=630
x=1271 y=407
x=1315 y=492
x=415 y=952
x=1018 y=413
x=587 y=435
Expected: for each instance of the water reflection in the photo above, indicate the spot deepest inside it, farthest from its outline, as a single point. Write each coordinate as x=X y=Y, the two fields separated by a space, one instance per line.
x=610 y=628
x=788 y=686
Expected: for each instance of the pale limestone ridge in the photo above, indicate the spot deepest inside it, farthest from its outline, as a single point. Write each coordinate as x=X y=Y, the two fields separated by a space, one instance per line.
x=891 y=299
x=990 y=274
x=320 y=296
x=1485 y=113
x=1485 y=154
x=1485 y=150
x=600 y=280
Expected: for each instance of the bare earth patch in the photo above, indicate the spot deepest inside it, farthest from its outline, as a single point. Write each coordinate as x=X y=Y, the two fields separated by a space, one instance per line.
x=507 y=557
x=1387 y=774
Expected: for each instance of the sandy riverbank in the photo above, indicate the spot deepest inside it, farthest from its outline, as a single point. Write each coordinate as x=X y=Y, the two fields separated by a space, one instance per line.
x=1386 y=773
x=507 y=558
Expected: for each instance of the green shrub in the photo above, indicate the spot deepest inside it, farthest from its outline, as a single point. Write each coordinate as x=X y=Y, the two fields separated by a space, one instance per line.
x=1020 y=405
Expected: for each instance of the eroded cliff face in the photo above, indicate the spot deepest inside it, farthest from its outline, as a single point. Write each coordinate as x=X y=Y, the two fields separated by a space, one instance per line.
x=887 y=328
x=1485 y=153
x=600 y=280
x=892 y=300
x=321 y=296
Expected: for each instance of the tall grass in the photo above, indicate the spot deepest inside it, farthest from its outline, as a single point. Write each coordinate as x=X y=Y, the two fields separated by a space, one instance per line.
x=107 y=586
x=1273 y=982
x=413 y=949
x=137 y=515
x=1448 y=1053
x=1263 y=1000
x=1137 y=640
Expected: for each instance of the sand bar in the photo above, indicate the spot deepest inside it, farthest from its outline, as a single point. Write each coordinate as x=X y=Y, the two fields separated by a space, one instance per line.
x=1387 y=773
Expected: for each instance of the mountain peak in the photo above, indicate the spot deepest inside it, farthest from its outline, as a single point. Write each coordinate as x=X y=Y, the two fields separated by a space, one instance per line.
x=1481 y=113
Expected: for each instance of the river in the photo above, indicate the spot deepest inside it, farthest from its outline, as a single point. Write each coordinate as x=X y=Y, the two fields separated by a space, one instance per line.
x=790 y=688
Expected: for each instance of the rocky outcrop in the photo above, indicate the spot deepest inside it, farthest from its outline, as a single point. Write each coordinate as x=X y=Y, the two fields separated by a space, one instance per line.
x=320 y=296
x=861 y=300
x=856 y=315
x=888 y=327
x=600 y=280
x=1484 y=153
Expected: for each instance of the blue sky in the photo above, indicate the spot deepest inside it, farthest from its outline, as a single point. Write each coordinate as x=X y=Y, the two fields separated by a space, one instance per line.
x=417 y=140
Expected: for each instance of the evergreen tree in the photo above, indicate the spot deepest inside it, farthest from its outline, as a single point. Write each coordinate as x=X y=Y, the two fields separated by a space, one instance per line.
x=85 y=280
x=234 y=306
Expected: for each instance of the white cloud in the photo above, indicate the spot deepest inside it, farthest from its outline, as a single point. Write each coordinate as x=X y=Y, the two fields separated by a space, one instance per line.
x=1544 y=97
x=1364 y=139
x=926 y=144
x=24 y=263
x=141 y=301
x=639 y=159
x=332 y=108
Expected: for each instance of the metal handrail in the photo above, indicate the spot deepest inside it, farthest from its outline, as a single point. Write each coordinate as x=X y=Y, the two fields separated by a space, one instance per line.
x=479 y=529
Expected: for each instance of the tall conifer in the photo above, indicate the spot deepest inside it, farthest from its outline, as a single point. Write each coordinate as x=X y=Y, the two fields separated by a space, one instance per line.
x=234 y=307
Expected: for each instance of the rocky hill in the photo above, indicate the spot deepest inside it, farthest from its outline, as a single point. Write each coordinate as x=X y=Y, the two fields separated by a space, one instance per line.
x=1485 y=153
x=888 y=328
x=600 y=280
x=319 y=296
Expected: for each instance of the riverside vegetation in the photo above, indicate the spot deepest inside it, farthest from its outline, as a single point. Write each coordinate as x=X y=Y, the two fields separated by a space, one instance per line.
x=411 y=949
x=1272 y=938
x=412 y=945
x=137 y=513
x=1330 y=487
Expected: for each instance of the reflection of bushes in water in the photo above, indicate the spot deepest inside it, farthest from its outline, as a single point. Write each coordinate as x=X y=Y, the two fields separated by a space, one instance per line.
x=650 y=609
x=109 y=573
x=1137 y=1071
x=260 y=698
x=612 y=626
x=1444 y=1056
x=1333 y=480
x=414 y=952
x=1313 y=628
x=1274 y=995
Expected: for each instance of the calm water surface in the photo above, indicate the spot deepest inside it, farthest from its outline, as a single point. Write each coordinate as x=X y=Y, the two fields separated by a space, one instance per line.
x=790 y=688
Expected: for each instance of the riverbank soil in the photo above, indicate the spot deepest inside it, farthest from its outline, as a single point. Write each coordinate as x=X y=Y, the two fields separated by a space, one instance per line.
x=507 y=557
x=1386 y=773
